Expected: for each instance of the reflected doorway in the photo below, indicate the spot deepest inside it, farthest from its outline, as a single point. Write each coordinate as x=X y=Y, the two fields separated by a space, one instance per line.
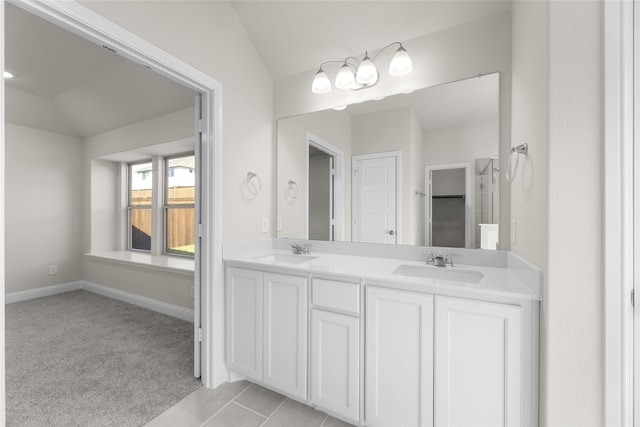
x=375 y=198
x=325 y=192
x=448 y=206
x=321 y=208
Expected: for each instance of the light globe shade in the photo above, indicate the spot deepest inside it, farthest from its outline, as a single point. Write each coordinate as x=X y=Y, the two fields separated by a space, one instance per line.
x=400 y=63
x=321 y=83
x=345 y=78
x=367 y=73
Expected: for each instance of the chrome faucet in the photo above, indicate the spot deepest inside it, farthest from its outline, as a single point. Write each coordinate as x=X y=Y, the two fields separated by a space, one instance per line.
x=298 y=250
x=430 y=259
x=439 y=260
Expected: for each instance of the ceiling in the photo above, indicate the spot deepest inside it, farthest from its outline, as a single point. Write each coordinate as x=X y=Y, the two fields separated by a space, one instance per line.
x=68 y=85
x=296 y=36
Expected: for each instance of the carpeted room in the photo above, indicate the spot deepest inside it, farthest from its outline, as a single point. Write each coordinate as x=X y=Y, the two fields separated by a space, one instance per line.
x=69 y=355
x=79 y=358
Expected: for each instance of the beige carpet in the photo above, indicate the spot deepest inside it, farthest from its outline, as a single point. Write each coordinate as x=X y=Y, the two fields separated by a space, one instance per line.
x=80 y=359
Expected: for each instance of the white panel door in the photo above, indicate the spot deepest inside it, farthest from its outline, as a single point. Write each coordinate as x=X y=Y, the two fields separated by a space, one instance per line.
x=244 y=322
x=335 y=363
x=376 y=200
x=285 y=333
x=398 y=358
x=478 y=363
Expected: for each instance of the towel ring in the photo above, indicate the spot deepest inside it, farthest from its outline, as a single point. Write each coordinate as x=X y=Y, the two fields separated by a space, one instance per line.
x=257 y=183
x=292 y=189
x=520 y=149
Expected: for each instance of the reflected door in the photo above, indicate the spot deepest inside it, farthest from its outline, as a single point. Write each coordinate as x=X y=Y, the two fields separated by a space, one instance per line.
x=375 y=200
x=321 y=195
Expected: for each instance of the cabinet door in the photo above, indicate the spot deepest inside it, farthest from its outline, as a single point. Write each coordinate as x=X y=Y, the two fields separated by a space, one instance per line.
x=285 y=333
x=398 y=358
x=477 y=363
x=244 y=322
x=335 y=363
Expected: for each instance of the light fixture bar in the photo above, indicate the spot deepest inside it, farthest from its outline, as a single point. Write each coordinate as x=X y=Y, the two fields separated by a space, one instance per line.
x=363 y=74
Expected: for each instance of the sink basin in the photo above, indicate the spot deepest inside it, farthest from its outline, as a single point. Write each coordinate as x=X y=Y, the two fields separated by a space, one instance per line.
x=439 y=273
x=286 y=258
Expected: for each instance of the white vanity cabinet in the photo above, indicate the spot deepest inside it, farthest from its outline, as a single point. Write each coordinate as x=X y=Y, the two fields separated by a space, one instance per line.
x=335 y=347
x=243 y=294
x=443 y=360
x=267 y=328
x=398 y=358
x=478 y=363
x=376 y=348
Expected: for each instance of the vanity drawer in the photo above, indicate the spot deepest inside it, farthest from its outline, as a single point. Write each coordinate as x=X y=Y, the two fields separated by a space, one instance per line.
x=337 y=295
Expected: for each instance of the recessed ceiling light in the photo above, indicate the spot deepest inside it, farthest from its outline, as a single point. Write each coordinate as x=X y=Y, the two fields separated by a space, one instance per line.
x=7 y=75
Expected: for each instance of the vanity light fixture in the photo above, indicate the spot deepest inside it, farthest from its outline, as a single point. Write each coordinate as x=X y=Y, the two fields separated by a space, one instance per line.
x=355 y=74
x=7 y=75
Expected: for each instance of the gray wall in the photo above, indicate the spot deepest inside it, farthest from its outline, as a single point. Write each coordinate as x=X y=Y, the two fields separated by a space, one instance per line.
x=43 y=196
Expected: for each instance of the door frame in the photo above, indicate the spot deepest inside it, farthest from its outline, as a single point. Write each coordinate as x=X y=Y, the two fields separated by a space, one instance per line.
x=88 y=24
x=338 y=184
x=468 y=200
x=354 y=189
x=619 y=211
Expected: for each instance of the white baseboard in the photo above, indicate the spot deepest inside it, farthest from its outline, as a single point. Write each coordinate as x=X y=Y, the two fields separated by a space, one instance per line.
x=44 y=291
x=148 y=303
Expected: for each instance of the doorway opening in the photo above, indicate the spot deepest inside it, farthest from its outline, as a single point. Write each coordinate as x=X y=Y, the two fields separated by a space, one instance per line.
x=207 y=331
x=325 y=192
x=448 y=205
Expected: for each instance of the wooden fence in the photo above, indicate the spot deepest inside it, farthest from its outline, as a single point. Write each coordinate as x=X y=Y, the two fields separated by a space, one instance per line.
x=180 y=221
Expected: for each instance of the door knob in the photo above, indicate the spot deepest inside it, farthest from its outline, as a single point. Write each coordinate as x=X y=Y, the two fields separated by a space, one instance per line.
x=391 y=232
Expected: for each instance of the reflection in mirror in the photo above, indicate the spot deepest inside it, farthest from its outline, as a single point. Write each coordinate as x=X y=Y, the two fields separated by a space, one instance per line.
x=419 y=168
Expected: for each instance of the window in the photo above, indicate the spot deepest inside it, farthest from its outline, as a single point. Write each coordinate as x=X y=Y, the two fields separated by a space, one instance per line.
x=139 y=206
x=171 y=214
x=179 y=206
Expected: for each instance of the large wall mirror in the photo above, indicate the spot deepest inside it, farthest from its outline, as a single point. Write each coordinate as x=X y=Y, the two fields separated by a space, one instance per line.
x=419 y=168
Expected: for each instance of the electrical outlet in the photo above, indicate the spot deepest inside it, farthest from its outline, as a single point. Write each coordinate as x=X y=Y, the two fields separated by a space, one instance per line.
x=53 y=270
x=265 y=224
x=513 y=231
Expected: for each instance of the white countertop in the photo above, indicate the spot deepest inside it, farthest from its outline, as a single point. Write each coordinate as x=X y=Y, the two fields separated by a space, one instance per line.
x=501 y=278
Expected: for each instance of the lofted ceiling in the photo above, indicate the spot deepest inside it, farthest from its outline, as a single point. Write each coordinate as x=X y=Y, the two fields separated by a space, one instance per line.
x=68 y=85
x=296 y=36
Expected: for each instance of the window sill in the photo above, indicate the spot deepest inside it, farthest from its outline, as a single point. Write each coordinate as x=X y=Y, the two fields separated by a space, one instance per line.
x=179 y=265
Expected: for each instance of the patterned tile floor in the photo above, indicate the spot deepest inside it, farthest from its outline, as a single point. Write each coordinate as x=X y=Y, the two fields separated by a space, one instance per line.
x=242 y=404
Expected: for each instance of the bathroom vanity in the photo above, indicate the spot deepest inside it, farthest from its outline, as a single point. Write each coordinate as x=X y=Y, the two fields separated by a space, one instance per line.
x=381 y=338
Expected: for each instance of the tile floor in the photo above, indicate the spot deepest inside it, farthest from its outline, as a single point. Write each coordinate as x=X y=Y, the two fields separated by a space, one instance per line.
x=242 y=404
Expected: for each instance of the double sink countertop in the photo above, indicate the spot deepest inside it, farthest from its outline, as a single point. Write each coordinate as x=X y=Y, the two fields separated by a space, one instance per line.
x=481 y=273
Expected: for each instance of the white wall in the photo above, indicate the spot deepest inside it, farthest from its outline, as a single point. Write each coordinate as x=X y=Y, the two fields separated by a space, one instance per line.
x=209 y=36
x=103 y=198
x=573 y=313
x=557 y=196
x=460 y=144
x=43 y=196
x=417 y=202
x=530 y=124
